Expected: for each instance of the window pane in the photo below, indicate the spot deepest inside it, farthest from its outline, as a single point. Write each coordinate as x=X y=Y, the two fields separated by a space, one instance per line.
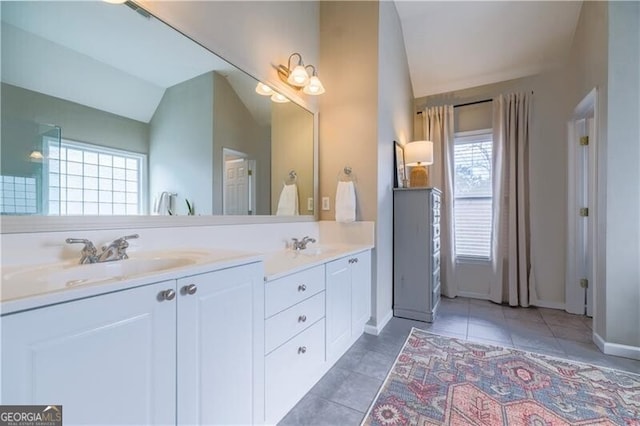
x=92 y=181
x=473 y=204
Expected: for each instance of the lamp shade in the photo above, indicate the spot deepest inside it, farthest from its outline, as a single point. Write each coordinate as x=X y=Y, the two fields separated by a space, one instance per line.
x=314 y=87
x=298 y=76
x=418 y=153
x=263 y=89
x=278 y=98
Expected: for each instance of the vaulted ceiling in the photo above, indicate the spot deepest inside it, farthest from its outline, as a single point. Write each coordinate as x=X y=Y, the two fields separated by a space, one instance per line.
x=455 y=45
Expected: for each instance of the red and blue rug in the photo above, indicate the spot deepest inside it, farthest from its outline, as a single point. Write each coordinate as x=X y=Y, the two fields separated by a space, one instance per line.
x=439 y=380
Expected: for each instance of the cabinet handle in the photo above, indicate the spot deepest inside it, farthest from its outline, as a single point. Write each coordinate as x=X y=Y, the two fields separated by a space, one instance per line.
x=355 y=260
x=302 y=287
x=302 y=349
x=302 y=318
x=189 y=289
x=167 y=294
x=350 y=260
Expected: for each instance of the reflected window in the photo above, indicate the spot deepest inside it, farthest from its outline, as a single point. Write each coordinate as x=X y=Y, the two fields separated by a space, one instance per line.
x=18 y=195
x=87 y=179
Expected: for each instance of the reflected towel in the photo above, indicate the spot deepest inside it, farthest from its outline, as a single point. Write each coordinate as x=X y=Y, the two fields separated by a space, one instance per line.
x=288 y=202
x=345 y=202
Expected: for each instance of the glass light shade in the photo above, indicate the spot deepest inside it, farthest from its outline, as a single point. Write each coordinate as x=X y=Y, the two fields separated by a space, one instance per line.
x=418 y=152
x=263 y=89
x=36 y=155
x=314 y=87
x=115 y=1
x=298 y=76
x=278 y=98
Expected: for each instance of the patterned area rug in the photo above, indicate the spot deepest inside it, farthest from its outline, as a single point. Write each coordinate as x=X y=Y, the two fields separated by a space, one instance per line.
x=439 y=380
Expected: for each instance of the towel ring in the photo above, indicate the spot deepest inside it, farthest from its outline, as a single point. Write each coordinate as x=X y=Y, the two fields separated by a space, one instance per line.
x=291 y=178
x=347 y=175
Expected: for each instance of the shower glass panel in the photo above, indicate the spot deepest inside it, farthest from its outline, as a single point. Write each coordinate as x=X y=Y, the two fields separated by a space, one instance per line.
x=27 y=186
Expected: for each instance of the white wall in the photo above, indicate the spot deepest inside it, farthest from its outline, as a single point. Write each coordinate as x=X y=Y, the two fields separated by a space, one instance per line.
x=395 y=122
x=623 y=176
x=181 y=145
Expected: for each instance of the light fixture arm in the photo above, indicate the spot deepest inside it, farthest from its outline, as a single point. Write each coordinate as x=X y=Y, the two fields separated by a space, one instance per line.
x=314 y=72
x=299 y=60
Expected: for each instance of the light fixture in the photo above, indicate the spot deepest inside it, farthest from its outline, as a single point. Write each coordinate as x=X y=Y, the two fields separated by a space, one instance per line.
x=278 y=98
x=36 y=155
x=299 y=78
x=263 y=89
x=314 y=87
x=115 y=1
x=418 y=154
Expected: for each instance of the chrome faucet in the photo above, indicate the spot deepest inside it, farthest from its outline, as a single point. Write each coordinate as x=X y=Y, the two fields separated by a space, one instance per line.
x=116 y=250
x=301 y=244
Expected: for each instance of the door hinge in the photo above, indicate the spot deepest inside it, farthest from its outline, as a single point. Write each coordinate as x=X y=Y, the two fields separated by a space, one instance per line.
x=584 y=140
x=584 y=211
x=584 y=283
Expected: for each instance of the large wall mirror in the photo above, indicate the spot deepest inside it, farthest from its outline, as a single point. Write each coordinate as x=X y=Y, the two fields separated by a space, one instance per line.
x=106 y=110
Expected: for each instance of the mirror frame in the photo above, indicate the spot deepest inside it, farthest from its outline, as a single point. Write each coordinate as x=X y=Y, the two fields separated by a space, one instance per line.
x=36 y=224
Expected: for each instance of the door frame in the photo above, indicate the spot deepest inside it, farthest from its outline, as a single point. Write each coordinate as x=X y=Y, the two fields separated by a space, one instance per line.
x=575 y=301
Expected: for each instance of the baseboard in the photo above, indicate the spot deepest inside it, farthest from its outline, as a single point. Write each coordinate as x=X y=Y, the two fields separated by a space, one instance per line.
x=548 y=304
x=376 y=329
x=616 y=349
x=473 y=295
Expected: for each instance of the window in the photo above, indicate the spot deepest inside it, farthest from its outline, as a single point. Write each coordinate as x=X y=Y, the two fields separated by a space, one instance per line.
x=90 y=180
x=473 y=194
x=18 y=195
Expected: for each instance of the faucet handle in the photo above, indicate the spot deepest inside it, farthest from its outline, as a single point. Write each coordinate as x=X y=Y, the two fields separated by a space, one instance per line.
x=88 y=245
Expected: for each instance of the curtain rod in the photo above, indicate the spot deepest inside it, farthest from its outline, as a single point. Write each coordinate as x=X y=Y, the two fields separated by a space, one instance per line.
x=467 y=104
x=470 y=103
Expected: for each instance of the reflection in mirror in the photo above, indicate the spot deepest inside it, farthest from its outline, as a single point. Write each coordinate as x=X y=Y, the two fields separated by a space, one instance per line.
x=141 y=120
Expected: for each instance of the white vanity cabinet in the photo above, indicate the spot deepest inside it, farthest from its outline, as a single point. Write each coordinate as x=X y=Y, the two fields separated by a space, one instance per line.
x=108 y=359
x=348 y=301
x=294 y=338
x=180 y=351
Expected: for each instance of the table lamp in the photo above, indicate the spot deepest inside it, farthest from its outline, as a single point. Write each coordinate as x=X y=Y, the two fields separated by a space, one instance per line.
x=417 y=155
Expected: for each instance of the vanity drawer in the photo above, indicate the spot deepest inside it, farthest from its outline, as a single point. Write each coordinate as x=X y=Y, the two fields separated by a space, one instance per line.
x=292 y=369
x=436 y=230
x=285 y=292
x=283 y=326
x=436 y=261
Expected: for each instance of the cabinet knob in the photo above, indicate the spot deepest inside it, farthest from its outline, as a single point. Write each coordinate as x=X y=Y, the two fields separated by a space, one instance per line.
x=355 y=260
x=302 y=318
x=189 y=289
x=302 y=287
x=167 y=294
x=302 y=349
x=350 y=260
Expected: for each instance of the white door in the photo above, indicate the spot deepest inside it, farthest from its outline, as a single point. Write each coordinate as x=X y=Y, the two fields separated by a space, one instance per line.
x=360 y=292
x=581 y=209
x=221 y=347
x=236 y=187
x=107 y=359
x=338 y=307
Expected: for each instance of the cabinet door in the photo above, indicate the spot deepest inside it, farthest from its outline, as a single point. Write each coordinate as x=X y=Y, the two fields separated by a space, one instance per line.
x=360 y=292
x=338 y=305
x=221 y=347
x=108 y=359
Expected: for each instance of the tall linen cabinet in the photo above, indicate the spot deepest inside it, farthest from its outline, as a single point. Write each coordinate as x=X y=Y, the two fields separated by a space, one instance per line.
x=416 y=253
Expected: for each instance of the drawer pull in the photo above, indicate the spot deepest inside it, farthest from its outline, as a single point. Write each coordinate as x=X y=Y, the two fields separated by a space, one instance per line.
x=302 y=349
x=189 y=289
x=353 y=260
x=302 y=287
x=167 y=294
x=302 y=318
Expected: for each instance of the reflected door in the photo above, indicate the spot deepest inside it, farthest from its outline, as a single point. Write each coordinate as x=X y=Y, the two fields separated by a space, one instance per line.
x=238 y=183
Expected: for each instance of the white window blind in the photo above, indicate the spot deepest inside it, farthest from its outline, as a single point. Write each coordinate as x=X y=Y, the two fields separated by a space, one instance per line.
x=90 y=180
x=473 y=194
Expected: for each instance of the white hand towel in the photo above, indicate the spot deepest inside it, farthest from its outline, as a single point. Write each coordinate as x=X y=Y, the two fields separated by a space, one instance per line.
x=288 y=202
x=345 y=202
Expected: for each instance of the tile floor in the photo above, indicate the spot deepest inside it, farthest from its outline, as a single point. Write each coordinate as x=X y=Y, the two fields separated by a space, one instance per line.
x=343 y=395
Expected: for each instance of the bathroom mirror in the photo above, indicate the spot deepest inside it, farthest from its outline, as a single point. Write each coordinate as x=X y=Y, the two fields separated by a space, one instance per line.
x=107 y=110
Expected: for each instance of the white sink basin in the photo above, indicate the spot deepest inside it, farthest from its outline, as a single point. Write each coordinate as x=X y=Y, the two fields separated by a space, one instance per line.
x=22 y=282
x=317 y=251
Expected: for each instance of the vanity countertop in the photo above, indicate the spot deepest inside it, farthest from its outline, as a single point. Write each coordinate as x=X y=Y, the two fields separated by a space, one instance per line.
x=29 y=287
x=285 y=262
